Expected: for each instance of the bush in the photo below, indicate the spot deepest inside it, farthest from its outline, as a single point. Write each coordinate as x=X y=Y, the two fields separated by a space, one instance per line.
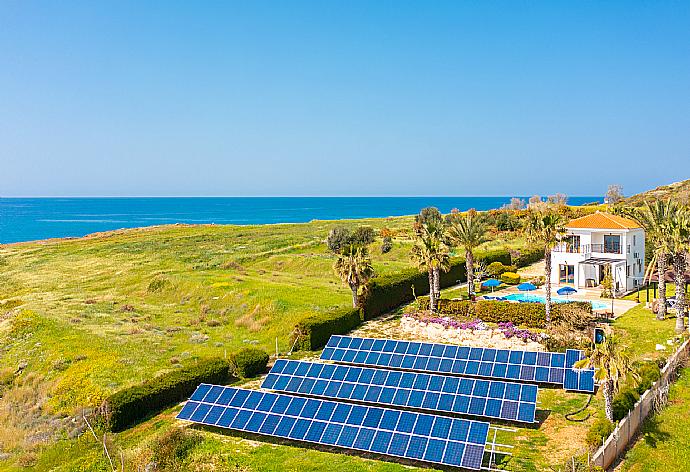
x=623 y=402
x=313 y=331
x=649 y=373
x=363 y=236
x=386 y=245
x=248 y=362
x=126 y=407
x=533 y=315
x=600 y=429
x=495 y=269
x=510 y=278
x=171 y=449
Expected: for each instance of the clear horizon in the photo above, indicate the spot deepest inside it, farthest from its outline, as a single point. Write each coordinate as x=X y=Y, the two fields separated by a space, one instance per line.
x=362 y=98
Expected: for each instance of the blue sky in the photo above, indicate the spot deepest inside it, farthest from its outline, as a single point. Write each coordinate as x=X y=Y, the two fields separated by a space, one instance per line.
x=342 y=97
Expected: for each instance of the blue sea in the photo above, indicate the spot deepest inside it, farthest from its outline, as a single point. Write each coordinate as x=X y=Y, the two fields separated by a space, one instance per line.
x=27 y=219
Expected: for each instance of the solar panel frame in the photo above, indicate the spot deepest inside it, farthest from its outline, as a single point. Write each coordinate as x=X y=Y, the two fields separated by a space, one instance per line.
x=428 y=438
x=422 y=390
x=522 y=366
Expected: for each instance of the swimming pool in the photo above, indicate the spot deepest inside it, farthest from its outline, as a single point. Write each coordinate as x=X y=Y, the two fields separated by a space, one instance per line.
x=526 y=297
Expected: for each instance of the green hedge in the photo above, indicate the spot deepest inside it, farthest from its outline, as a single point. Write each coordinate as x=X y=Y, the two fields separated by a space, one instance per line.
x=126 y=407
x=600 y=429
x=532 y=315
x=313 y=331
x=383 y=294
x=248 y=362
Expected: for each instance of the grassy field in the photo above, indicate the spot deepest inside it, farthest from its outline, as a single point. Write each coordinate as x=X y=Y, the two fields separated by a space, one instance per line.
x=82 y=318
x=664 y=443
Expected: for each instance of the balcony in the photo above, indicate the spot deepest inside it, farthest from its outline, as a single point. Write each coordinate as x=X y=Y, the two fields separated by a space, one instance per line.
x=589 y=248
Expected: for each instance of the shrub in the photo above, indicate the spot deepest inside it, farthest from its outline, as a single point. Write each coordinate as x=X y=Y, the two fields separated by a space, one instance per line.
x=386 y=245
x=533 y=315
x=623 y=402
x=313 y=331
x=495 y=269
x=510 y=278
x=126 y=407
x=171 y=449
x=649 y=373
x=600 y=429
x=248 y=362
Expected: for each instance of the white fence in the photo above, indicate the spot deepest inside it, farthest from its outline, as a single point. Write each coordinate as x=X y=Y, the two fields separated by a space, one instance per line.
x=619 y=440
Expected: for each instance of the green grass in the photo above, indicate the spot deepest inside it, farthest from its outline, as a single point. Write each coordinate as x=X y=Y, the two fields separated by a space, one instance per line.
x=670 y=291
x=664 y=442
x=641 y=331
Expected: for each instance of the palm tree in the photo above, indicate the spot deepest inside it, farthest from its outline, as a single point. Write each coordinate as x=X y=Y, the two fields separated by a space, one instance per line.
x=545 y=228
x=612 y=364
x=354 y=269
x=678 y=229
x=468 y=231
x=430 y=251
x=654 y=217
x=432 y=255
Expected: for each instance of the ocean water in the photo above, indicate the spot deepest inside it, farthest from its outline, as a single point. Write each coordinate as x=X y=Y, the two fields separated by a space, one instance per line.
x=27 y=219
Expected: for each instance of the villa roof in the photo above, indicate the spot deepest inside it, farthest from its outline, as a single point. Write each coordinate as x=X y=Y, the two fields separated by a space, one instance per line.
x=601 y=220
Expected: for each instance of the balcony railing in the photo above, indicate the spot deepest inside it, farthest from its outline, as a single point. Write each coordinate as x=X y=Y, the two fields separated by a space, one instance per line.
x=589 y=248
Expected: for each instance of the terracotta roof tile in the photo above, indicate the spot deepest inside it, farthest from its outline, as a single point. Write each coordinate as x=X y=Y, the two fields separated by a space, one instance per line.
x=600 y=220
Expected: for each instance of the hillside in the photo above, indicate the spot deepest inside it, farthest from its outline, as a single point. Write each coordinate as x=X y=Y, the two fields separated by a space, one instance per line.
x=680 y=191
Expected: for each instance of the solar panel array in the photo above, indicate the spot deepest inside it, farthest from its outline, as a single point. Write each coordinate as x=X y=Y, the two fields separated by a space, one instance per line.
x=523 y=366
x=485 y=398
x=410 y=435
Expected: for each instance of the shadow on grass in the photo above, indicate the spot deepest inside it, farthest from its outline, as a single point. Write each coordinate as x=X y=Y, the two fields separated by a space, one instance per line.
x=651 y=433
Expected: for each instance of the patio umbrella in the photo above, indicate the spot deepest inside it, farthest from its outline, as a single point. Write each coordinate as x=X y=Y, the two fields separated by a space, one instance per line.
x=492 y=283
x=566 y=291
x=526 y=287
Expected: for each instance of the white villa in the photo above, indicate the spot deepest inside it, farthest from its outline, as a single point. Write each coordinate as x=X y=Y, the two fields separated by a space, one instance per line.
x=595 y=241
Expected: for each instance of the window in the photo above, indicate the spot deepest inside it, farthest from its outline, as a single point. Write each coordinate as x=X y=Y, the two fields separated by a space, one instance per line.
x=566 y=274
x=627 y=270
x=612 y=243
x=634 y=240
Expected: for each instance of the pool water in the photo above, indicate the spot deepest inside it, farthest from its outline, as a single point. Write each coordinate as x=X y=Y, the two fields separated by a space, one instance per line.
x=540 y=299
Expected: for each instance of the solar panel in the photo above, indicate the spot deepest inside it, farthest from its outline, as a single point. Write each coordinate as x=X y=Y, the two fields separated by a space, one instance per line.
x=520 y=366
x=429 y=438
x=403 y=389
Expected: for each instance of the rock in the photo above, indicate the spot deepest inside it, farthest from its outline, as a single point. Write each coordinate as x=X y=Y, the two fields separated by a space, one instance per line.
x=22 y=365
x=660 y=347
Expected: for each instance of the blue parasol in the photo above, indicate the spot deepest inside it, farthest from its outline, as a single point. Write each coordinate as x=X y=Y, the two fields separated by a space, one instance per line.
x=492 y=283
x=526 y=287
x=566 y=291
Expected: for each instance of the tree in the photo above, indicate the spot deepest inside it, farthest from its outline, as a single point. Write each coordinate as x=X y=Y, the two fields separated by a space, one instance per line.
x=545 y=228
x=469 y=231
x=386 y=245
x=678 y=230
x=338 y=238
x=612 y=364
x=341 y=238
x=614 y=194
x=515 y=204
x=430 y=251
x=558 y=199
x=654 y=218
x=354 y=269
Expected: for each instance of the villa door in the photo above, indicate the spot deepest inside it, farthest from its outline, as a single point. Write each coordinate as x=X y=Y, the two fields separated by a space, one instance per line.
x=566 y=274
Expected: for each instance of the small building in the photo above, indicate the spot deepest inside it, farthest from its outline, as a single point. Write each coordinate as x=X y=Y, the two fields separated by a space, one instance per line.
x=593 y=243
